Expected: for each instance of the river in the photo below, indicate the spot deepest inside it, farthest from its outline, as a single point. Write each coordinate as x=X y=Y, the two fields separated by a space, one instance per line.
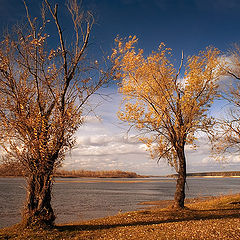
x=76 y=199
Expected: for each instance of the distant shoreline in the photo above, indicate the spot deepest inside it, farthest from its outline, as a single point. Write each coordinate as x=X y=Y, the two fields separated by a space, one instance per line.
x=12 y=170
x=139 y=176
x=211 y=174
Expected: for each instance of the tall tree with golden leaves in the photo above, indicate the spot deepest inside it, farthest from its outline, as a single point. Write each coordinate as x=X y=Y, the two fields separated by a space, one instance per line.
x=166 y=109
x=44 y=95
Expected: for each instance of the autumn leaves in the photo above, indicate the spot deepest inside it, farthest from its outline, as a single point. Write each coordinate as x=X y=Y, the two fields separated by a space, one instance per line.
x=167 y=104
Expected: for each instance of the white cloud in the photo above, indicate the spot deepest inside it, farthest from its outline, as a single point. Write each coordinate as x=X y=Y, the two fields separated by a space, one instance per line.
x=105 y=145
x=108 y=152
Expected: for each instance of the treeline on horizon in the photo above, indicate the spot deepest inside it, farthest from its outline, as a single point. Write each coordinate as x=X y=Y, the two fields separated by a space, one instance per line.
x=96 y=174
x=215 y=174
x=13 y=170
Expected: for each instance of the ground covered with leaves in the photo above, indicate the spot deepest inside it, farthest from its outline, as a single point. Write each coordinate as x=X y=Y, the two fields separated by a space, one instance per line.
x=214 y=218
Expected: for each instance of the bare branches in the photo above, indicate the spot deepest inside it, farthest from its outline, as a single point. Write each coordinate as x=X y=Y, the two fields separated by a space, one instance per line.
x=180 y=67
x=226 y=140
x=233 y=75
x=70 y=66
x=60 y=33
x=33 y=83
x=29 y=19
x=44 y=95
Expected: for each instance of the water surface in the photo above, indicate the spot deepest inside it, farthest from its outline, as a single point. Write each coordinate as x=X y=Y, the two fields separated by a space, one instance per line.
x=76 y=199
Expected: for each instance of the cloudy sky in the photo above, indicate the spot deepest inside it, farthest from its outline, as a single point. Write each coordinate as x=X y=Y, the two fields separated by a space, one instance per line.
x=103 y=143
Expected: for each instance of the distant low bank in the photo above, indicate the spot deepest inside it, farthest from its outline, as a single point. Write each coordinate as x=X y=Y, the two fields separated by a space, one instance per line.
x=96 y=174
x=211 y=174
x=13 y=170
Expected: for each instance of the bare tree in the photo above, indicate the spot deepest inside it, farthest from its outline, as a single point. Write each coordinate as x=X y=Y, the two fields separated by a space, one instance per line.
x=167 y=110
x=44 y=94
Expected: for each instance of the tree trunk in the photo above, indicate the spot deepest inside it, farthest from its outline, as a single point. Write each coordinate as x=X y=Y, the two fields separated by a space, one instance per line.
x=181 y=180
x=38 y=210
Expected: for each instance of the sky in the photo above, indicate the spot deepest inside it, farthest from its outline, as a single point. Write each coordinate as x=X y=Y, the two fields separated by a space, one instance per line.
x=104 y=143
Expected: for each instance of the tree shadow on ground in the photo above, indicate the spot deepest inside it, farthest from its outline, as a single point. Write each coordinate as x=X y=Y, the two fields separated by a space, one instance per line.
x=145 y=218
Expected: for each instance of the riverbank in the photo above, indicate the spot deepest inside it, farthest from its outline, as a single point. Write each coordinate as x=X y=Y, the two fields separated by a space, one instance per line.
x=211 y=174
x=13 y=170
x=212 y=218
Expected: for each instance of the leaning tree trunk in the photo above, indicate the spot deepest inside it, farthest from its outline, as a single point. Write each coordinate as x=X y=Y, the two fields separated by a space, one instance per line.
x=181 y=180
x=38 y=210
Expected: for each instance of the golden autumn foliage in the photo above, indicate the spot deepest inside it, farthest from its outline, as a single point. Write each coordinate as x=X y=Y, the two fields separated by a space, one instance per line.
x=157 y=100
x=44 y=94
x=164 y=104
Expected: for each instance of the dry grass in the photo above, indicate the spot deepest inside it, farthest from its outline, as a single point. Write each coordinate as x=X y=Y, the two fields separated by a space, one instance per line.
x=215 y=218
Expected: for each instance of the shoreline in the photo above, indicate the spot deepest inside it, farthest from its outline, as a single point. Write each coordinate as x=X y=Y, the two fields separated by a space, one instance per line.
x=161 y=204
x=203 y=218
x=144 y=177
x=213 y=176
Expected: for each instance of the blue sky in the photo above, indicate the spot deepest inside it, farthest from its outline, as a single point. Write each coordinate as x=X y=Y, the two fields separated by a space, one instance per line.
x=188 y=25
